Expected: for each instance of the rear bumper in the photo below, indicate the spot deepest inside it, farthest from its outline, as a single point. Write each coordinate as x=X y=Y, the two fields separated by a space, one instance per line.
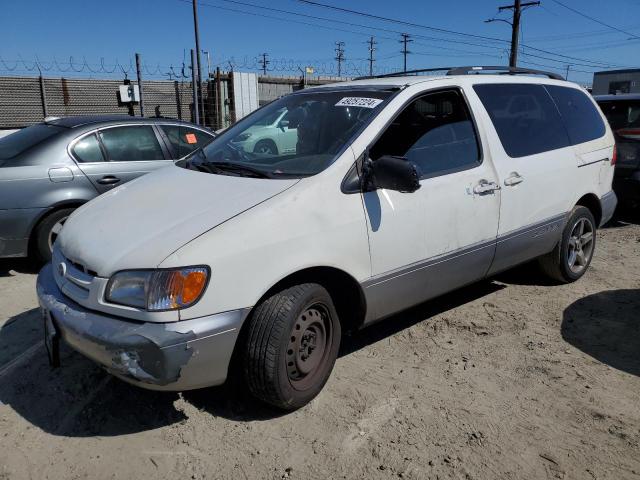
x=608 y=204
x=15 y=228
x=628 y=188
x=159 y=356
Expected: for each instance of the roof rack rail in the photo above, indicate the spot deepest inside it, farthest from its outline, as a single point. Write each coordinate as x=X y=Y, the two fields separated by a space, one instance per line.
x=407 y=72
x=505 y=71
x=470 y=71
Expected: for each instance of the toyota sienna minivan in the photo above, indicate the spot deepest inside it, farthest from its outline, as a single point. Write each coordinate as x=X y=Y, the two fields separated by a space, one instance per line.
x=400 y=189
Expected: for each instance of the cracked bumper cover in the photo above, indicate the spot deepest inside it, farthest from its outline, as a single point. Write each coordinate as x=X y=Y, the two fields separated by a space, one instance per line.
x=159 y=356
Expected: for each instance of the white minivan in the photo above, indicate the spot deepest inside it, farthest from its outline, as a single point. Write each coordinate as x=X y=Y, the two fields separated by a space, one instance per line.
x=399 y=189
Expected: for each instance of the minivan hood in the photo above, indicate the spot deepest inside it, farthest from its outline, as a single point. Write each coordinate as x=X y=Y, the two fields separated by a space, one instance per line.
x=139 y=224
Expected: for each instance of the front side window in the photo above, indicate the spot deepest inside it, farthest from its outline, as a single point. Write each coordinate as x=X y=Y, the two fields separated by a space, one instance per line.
x=580 y=115
x=87 y=149
x=524 y=116
x=435 y=132
x=185 y=140
x=131 y=143
x=295 y=136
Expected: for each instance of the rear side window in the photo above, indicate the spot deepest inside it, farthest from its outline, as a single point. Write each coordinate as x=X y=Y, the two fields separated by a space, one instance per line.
x=185 y=139
x=581 y=118
x=87 y=149
x=135 y=143
x=14 y=144
x=435 y=132
x=525 y=117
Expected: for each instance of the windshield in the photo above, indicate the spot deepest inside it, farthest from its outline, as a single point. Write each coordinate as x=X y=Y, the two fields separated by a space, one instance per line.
x=622 y=113
x=296 y=136
x=20 y=141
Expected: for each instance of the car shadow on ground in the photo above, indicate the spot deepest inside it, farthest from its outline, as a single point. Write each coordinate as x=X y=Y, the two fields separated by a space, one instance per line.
x=624 y=216
x=18 y=265
x=81 y=400
x=606 y=326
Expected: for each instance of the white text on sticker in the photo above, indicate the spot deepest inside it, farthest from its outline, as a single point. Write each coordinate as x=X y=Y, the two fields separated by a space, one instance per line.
x=360 y=102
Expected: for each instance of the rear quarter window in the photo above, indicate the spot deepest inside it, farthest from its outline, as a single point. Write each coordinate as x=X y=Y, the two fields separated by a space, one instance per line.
x=580 y=115
x=525 y=118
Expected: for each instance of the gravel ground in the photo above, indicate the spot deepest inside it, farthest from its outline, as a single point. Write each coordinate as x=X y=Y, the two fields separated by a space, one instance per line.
x=509 y=378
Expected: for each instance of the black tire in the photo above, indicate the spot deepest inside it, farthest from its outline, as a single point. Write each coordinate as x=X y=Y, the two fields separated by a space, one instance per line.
x=267 y=147
x=44 y=236
x=297 y=322
x=557 y=263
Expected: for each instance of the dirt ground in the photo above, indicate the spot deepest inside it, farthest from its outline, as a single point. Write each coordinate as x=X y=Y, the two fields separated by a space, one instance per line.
x=510 y=378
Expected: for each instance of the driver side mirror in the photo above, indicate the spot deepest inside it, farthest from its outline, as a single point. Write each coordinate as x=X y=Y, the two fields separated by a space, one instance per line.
x=391 y=173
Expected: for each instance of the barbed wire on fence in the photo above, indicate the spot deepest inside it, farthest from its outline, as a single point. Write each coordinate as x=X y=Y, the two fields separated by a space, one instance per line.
x=82 y=67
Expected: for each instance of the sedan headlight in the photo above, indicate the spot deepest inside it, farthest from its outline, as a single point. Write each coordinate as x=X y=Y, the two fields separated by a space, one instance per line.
x=157 y=290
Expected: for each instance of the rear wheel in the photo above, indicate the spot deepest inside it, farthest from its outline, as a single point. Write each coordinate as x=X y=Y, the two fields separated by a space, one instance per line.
x=571 y=258
x=292 y=345
x=47 y=232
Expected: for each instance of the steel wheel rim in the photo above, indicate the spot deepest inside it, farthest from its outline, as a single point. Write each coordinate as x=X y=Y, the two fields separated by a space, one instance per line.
x=580 y=245
x=55 y=231
x=309 y=346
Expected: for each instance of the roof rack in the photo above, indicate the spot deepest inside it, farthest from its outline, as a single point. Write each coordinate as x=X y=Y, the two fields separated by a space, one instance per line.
x=470 y=71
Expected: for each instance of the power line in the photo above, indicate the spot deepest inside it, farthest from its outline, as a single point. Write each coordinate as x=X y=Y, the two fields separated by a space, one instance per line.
x=442 y=30
x=577 y=12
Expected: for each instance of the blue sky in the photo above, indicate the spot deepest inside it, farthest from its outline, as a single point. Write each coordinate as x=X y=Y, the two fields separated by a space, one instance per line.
x=162 y=30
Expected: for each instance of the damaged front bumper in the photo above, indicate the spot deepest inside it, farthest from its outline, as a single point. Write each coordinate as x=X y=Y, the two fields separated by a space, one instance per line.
x=159 y=356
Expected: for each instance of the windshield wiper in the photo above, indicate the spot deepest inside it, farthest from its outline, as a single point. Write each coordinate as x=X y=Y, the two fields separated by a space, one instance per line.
x=242 y=170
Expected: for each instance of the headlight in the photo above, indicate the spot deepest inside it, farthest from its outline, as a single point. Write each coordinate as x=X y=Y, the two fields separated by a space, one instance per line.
x=156 y=290
x=243 y=137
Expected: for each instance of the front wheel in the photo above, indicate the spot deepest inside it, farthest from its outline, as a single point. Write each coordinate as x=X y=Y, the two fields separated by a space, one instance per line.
x=47 y=232
x=291 y=346
x=571 y=258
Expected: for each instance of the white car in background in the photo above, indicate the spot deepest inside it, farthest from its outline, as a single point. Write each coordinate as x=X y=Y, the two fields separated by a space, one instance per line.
x=400 y=189
x=269 y=136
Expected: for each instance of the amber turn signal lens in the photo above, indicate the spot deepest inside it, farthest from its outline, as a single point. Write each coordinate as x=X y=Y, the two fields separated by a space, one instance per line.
x=192 y=286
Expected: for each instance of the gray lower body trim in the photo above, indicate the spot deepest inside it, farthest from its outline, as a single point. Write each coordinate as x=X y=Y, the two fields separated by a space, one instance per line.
x=527 y=243
x=395 y=291
x=159 y=356
x=608 y=204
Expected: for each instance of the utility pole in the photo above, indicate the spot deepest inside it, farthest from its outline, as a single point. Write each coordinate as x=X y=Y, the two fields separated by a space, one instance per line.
x=517 y=8
x=194 y=84
x=199 y=75
x=340 y=56
x=372 y=47
x=406 y=38
x=264 y=62
x=139 y=72
x=566 y=77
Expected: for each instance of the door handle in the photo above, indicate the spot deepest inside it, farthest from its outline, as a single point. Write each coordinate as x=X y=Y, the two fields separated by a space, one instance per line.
x=484 y=187
x=514 y=178
x=108 y=180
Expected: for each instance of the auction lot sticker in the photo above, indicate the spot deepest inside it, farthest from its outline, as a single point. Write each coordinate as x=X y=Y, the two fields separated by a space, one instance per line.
x=361 y=102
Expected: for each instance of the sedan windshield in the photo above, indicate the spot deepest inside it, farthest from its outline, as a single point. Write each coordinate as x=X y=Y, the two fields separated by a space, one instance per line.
x=296 y=136
x=18 y=142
